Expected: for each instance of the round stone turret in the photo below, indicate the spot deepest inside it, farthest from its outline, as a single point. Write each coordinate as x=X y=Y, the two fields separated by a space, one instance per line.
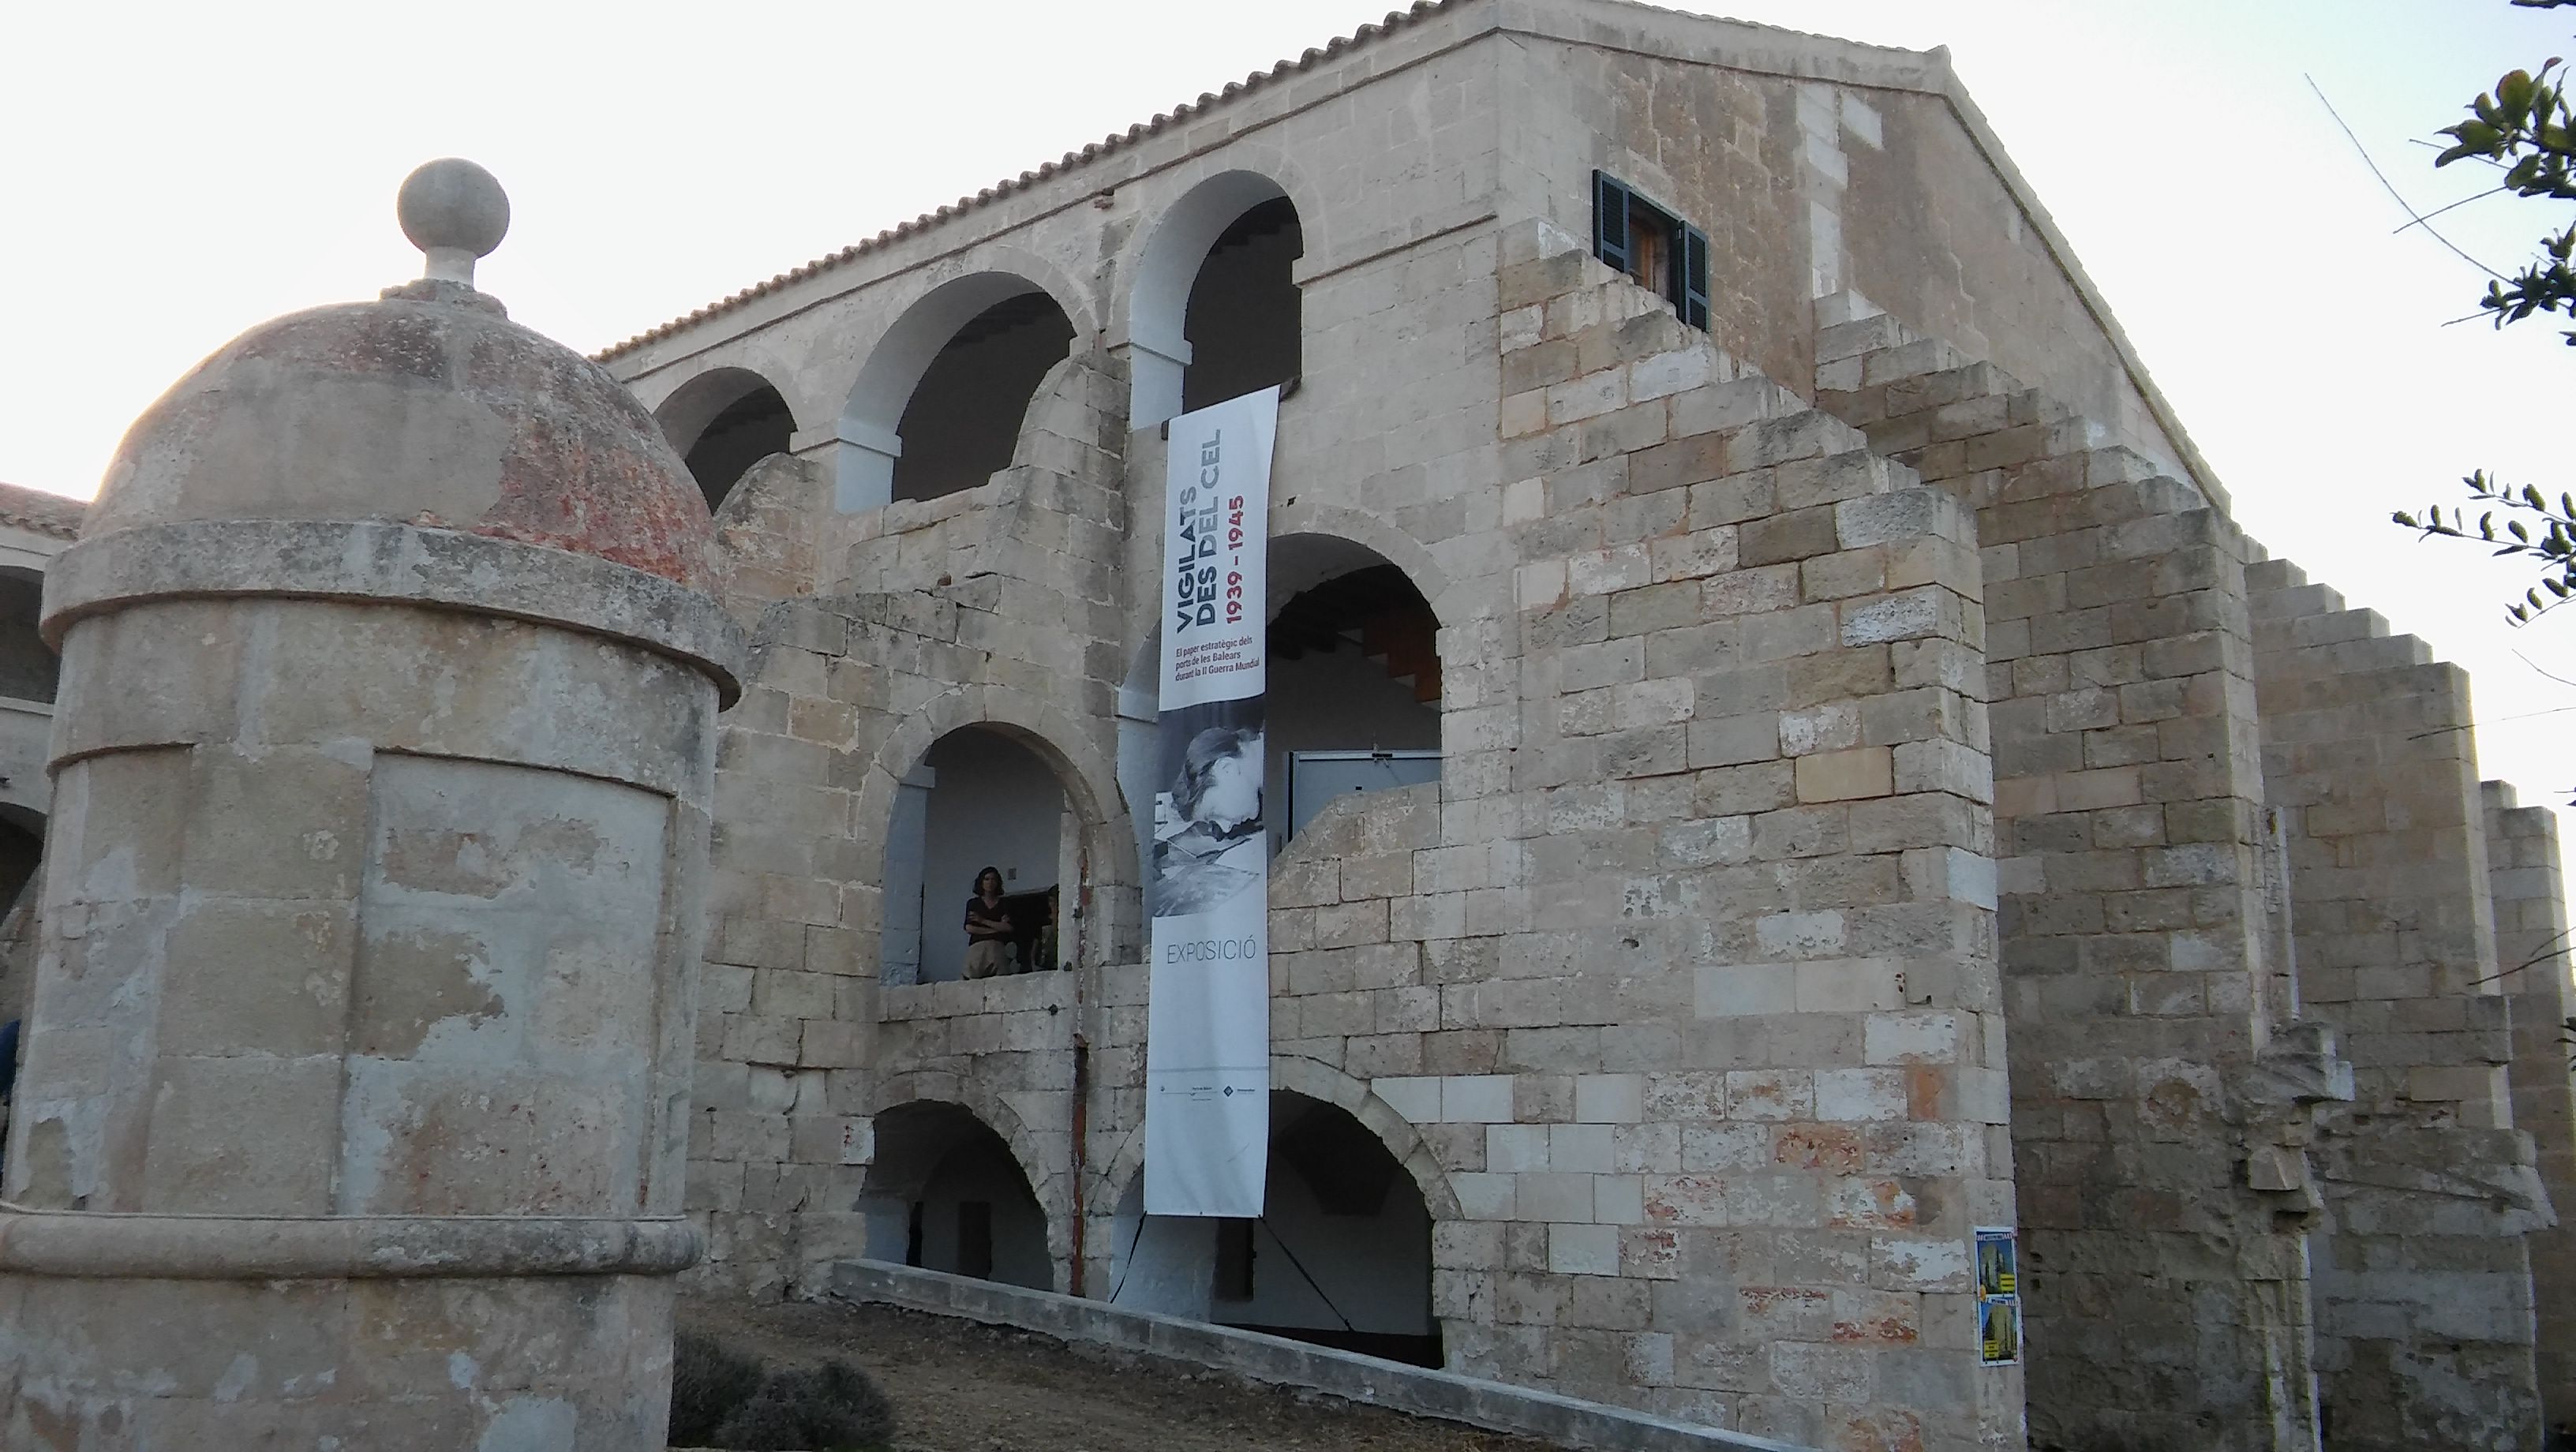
x=355 y=1091
x=428 y=407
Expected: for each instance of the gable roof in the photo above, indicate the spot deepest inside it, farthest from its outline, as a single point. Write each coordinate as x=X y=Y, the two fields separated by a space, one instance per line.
x=1115 y=141
x=1735 y=44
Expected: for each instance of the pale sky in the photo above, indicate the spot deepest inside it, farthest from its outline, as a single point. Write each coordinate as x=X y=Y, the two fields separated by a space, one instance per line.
x=178 y=173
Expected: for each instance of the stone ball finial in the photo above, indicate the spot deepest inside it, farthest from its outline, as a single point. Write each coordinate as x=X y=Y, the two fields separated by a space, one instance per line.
x=455 y=212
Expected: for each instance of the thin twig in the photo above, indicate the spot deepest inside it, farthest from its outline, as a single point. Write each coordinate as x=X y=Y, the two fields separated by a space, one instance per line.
x=2407 y=206
x=2534 y=962
x=2447 y=206
x=2544 y=670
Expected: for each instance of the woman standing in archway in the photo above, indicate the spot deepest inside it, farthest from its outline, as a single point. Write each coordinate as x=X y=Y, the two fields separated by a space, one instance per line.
x=988 y=928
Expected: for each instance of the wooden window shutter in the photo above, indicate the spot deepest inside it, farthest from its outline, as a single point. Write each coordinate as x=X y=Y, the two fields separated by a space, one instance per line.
x=1691 y=262
x=1610 y=239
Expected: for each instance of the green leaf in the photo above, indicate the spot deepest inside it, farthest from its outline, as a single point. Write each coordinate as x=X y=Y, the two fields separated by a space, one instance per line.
x=2513 y=94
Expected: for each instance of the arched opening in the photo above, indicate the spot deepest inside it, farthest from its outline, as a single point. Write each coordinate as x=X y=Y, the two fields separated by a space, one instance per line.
x=940 y=403
x=945 y=1193
x=1341 y=1255
x=1354 y=677
x=963 y=421
x=723 y=422
x=980 y=798
x=1214 y=312
x=1354 y=692
x=1244 y=314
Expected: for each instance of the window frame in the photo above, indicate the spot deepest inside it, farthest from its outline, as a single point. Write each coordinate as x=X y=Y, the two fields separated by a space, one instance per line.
x=1618 y=213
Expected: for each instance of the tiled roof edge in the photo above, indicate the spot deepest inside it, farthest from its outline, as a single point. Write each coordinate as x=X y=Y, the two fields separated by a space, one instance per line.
x=1115 y=141
x=50 y=514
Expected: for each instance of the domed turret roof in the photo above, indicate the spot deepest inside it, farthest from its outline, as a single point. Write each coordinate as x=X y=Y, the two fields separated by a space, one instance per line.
x=426 y=407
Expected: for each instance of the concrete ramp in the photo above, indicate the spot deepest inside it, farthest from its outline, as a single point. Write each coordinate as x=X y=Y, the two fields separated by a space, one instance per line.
x=1277 y=1361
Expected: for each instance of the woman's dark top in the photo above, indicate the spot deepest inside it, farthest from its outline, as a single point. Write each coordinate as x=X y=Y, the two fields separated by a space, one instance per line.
x=975 y=907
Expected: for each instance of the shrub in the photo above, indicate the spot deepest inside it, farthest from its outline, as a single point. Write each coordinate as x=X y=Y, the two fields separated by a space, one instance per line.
x=833 y=1407
x=709 y=1381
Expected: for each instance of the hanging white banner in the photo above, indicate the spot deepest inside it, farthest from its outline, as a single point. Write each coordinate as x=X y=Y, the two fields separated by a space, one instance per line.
x=1207 y=1046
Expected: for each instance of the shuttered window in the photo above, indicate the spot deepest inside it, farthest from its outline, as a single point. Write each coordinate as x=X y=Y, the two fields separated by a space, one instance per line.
x=1610 y=221
x=1651 y=245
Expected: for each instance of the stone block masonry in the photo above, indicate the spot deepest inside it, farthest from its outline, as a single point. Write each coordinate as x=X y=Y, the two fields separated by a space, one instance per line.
x=1718 y=1077
x=2424 y=1289
x=357 y=1075
x=2160 y=1170
x=1861 y=811
x=2533 y=956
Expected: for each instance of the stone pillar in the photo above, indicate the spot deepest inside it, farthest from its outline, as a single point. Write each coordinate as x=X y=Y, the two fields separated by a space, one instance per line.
x=355 y=1097
x=2532 y=957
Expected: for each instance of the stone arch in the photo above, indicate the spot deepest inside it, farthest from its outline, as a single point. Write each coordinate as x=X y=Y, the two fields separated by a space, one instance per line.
x=939 y=1085
x=1104 y=927
x=1050 y=732
x=686 y=411
x=1046 y=1182
x=723 y=421
x=869 y=427
x=1327 y=521
x=1164 y=263
x=1312 y=1077
x=1378 y=537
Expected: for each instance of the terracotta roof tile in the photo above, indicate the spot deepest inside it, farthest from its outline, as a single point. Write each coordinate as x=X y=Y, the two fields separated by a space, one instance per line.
x=50 y=514
x=1394 y=21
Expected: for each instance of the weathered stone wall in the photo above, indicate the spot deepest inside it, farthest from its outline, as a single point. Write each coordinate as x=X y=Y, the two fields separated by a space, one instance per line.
x=1741 y=1193
x=2423 y=1285
x=2161 y=1178
x=305 y=933
x=1843 y=168
x=2529 y=894
x=1682 y=996
x=1749 y=746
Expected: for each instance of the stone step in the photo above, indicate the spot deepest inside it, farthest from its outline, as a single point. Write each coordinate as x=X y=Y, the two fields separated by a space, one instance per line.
x=2344 y=643
x=2330 y=628
x=1911 y=360
x=1963 y=382
x=2291 y=601
x=1859 y=336
x=2267 y=573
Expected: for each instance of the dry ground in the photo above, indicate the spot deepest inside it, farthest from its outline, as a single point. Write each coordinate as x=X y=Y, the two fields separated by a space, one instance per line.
x=964 y=1387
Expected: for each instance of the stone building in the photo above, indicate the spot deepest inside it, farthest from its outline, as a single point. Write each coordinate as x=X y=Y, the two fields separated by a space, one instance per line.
x=1832 y=777
x=1846 y=781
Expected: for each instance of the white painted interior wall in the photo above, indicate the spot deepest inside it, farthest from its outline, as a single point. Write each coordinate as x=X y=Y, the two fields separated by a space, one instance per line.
x=1338 y=701
x=899 y=960
x=1374 y=1270
x=995 y=804
x=1164 y=1263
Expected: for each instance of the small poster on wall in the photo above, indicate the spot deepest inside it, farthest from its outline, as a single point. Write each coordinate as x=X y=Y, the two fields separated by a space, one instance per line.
x=1998 y=1295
